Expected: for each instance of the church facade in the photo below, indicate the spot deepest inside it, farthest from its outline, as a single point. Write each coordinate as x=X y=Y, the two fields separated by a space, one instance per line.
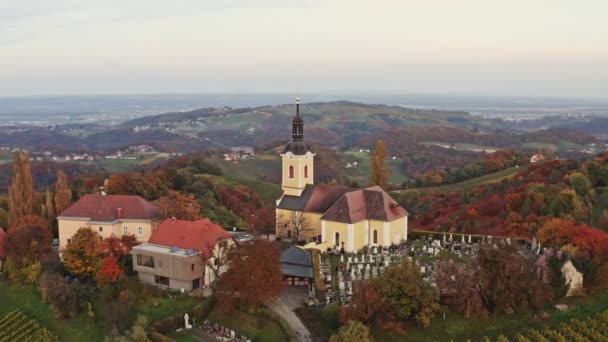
x=344 y=217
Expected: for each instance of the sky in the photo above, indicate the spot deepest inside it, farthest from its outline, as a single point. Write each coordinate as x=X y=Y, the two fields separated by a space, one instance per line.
x=515 y=47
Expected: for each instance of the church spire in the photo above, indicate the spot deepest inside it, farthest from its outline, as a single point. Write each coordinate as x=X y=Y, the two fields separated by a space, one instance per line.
x=297 y=130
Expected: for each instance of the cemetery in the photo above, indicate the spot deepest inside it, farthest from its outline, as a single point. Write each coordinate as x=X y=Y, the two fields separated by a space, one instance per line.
x=340 y=271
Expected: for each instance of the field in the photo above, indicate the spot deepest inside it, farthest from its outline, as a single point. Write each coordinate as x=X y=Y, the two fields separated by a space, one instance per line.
x=124 y=165
x=363 y=170
x=254 y=168
x=27 y=299
x=462 y=146
x=17 y=326
x=474 y=182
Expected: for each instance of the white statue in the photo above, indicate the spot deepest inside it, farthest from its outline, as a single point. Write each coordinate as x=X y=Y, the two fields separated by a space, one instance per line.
x=574 y=279
x=186 y=321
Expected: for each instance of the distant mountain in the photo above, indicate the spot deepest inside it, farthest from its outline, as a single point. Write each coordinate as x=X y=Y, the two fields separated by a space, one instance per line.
x=339 y=124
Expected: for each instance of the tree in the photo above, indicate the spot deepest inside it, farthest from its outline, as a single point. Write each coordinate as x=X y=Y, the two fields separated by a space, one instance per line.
x=379 y=174
x=109 y=272
x=263 y=221
x=299 y=225
x=581 y=184
x=65 y=299
x=508 y=281
x=63 y=194
x=81 y=254
x=254 y=276
x=29 y=241
x=407 y=295
x=21 y=191
x=48 y=209
x=182 y=207
x=458 y=285
x=352 y=331
x=368 y=306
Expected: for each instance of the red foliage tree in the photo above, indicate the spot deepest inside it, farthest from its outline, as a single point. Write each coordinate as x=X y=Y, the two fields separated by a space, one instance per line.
x=263 y=221
x=182 y=207
x=109 y=272
x=254 y=276
x=29 y=242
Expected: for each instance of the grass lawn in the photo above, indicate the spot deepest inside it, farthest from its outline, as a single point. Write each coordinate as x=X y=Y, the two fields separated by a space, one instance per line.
x=167 y=306
x=458 y=328
x=28 y=299
x=253 y=325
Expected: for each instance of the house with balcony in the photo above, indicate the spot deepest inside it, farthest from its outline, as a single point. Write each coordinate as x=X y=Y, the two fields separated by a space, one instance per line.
x=183 y=255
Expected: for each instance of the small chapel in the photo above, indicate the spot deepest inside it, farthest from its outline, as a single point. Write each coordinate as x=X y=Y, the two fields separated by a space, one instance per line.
x=332 y=216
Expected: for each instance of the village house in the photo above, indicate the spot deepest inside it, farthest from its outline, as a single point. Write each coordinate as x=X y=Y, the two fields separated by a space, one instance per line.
x=334 y=216
x=182 y=254
x=109 y=215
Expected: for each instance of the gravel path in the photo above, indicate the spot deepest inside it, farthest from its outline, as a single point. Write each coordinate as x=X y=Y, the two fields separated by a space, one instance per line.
x=281 y=308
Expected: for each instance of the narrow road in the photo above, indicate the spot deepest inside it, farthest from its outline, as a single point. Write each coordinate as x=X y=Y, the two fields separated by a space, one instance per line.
x=279 y=307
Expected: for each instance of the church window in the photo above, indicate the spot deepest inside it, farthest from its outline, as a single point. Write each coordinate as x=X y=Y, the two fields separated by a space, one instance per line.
x=375 y=236
x=305 y=171
x=290 y=171
x=337 y=239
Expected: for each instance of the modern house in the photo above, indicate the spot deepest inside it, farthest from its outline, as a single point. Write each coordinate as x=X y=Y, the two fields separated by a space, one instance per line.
x=109 y=215
x=336 y=216
x=296 y=265
x=182 y=254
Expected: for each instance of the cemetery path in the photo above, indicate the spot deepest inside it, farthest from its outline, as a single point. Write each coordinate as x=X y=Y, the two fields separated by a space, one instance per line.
x=283 y=309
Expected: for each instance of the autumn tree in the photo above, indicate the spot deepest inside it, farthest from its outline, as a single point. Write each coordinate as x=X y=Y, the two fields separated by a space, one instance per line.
x=459 y=286
x=28 y=243
x=368 y=306
x=182 y=207
x=109 y=271
x=254 y=276
x=263 y=221
x=379 y=169
x=31 y=220
x=21 y=191
x=352 y=331
x=48 y=209
x=508 y=282
x=63 y=194
x=81 y=254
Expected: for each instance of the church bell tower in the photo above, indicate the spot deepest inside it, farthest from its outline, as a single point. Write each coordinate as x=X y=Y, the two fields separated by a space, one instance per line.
x=297 y=159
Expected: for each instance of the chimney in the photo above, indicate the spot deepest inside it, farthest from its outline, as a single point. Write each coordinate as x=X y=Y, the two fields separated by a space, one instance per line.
x=118 y=212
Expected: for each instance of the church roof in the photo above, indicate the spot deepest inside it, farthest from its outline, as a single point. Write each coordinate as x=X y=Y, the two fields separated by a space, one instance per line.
x=298 y=147
x=343 y=204
x=365 y=204
x=314 y=198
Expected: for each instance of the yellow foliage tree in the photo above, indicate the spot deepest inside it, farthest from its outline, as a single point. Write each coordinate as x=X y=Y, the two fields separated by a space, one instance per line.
x=379 y=174
x=21 y=191
x=81 y=255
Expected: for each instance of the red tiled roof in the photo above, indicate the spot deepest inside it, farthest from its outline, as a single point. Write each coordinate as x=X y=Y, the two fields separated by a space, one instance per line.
x=108 y=208
x=201 y=235
x=324 y=196
x=3 y=242
x=371 y=203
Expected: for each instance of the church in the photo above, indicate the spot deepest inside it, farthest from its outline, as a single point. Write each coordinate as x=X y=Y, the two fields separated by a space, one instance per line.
x=333 y=216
